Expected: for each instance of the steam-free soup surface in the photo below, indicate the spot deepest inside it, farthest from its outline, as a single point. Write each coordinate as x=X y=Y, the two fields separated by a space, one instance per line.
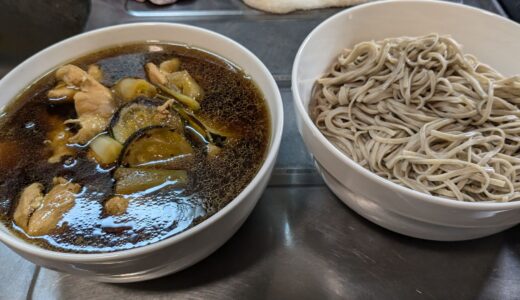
x=218 y=168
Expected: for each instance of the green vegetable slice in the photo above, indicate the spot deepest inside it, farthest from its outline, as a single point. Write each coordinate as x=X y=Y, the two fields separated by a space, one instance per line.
x=186 y=100
x=106 y=149
x=137 y=115
x=134 y=180
x=129 y=89
x=156 y=146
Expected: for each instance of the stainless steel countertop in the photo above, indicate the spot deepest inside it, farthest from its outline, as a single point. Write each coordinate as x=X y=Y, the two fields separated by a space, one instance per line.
x=300 y=242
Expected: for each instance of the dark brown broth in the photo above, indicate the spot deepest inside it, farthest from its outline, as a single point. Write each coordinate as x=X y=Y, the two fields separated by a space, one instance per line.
x=230 y=97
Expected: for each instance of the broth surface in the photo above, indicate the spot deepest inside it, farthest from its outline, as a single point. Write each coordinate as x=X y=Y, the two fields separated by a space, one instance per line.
x=231 y=98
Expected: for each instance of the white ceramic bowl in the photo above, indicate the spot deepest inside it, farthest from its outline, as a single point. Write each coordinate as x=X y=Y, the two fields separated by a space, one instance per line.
x=194 y=244
x=495 y=40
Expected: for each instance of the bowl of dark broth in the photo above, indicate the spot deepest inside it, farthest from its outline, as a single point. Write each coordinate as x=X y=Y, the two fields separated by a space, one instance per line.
x=134 y=151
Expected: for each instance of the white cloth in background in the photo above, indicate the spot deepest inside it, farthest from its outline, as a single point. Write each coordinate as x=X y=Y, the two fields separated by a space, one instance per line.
x=285 y=6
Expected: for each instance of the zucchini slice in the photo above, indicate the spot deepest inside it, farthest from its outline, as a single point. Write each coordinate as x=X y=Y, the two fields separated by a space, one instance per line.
x=106 y=149
x=197 y=126
x=170 y=66
x=139 y=114
x=129 y=89
x=186 y=100
x=157 y=147
x=184 y=82
x=133 y=180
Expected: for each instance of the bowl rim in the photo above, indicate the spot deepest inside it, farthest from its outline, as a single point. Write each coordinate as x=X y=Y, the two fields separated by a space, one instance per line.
x=339 y=155
x=270 y=156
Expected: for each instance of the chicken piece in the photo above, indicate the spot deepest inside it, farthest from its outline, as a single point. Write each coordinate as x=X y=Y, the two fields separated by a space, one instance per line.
x=176 y=83
x=62 y=93
x=116 y=206
x=213 y=150
x=128 y=89
x=57 y=202
x=94 y=103
x=166 y=116
x=65 y=93
x=57 y=139
x=91 y=125
x=155 y=75
x=95 y=72
x=170 y=66
x=163 y=111
x=30 y=200
x=183 y=81
x=38 y=214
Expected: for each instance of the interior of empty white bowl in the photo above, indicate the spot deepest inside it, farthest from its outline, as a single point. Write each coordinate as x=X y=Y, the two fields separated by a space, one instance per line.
x=493 y=39
x=75 y=47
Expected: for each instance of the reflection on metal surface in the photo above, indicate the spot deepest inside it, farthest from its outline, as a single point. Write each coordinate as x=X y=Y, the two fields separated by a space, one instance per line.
x=295 y=177
x=332 y=254
x=27 y=27
x=288 y=235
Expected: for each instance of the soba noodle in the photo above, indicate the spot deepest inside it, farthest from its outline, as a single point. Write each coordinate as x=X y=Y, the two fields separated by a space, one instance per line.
x=420 y=113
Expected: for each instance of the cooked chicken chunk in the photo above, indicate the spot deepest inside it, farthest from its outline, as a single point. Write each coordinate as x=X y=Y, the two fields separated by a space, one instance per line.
x=94 y=103
x=116 y=206
x=213 y=150
x=62 y=93
x=30 y=200
x=57 y=140
x=183 y=81
x=38 y=214
x=57 y=202
x=164 y=109
x=170 y=66
x=95 y=72
x=178 y=82
x=155 y=75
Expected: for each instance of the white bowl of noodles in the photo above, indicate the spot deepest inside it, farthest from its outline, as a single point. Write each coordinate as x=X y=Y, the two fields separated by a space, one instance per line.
x=420 y=189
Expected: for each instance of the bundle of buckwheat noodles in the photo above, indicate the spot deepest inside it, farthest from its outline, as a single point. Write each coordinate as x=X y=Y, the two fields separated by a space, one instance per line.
x=420 y=113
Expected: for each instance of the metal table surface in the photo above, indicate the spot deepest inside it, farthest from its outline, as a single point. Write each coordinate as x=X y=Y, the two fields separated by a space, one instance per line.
x=300 y=242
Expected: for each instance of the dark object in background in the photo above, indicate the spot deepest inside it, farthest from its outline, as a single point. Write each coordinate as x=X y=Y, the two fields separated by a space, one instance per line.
x=159 y=2
x=512 y=8
x=28 y=26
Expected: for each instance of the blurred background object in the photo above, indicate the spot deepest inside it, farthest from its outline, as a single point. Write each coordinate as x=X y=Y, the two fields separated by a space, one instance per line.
x=159 y=2
x=287 y=6
x=28 y=26
x=512 y=8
